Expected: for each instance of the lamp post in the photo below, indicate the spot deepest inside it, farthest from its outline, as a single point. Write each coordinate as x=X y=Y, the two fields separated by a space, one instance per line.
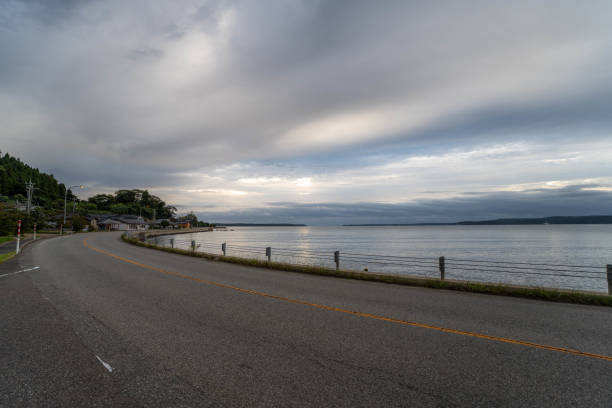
x=66 y=197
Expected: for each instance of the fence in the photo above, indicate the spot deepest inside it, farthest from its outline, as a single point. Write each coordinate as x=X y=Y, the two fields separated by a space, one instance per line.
x=560 y=276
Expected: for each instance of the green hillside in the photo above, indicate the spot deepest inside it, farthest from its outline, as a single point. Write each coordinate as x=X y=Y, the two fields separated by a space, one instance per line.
x=48 y=200
x=13 y=176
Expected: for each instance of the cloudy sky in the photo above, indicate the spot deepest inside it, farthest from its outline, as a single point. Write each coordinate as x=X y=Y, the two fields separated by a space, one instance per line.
x=321 y=112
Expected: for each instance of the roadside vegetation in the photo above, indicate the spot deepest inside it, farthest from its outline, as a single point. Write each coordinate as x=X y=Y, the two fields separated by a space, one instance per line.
x=6 y=257
x=5 y=239
x=490 y=289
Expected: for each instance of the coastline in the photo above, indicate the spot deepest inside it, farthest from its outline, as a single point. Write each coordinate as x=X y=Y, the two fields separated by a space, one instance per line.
x=528 y=292
x=159 y=233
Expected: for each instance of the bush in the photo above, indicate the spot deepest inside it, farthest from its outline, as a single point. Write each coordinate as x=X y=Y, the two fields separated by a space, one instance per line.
x=78 y=223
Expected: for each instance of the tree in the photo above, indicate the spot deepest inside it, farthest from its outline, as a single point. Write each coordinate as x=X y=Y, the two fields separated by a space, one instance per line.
x=126 y=196
x=120 y=208
x=9 y=217
x=78 y=223
x=191 y=218
x=85 y=207
x=14 y=174
x=102 y=201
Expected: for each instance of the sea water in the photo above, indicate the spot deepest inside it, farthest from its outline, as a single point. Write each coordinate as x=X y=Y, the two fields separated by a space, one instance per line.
x=556 y=256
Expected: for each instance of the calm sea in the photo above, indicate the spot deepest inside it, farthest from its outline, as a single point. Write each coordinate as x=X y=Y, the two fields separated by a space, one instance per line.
x=557 y=256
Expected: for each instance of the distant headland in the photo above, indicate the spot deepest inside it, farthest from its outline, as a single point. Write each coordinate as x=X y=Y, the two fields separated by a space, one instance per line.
x=586 y=219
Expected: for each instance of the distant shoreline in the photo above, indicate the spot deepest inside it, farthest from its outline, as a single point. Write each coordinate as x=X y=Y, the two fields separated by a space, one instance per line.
x=257 y=225
x=557 y=220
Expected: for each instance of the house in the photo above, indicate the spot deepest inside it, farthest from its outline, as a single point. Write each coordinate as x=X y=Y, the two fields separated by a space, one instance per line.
x=162 y=223
x=183 y=224
x=116 y=222
x=134 y=223
x=95 y=219
x=110 y=224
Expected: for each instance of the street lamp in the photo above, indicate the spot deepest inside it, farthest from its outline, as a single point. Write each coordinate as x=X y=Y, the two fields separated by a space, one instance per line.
x=66 y=197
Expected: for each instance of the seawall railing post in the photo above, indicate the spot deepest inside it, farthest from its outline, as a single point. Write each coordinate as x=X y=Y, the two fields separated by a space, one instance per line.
x=171 y=242
x=337 y=259
x=442 y=267
x=609 y=270
x=223 y=247
x=269 y=253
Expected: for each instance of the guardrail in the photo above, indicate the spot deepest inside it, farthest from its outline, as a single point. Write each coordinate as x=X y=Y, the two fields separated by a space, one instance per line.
x=439 y=268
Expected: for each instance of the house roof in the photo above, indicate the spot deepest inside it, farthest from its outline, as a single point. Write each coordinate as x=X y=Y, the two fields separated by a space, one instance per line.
x=109 y=221
x=132 y=220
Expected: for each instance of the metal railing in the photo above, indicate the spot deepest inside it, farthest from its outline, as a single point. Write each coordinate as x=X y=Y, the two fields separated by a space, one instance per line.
x=541 y=274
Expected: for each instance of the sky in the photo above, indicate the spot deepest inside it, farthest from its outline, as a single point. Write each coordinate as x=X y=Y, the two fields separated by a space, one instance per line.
x=317 y=112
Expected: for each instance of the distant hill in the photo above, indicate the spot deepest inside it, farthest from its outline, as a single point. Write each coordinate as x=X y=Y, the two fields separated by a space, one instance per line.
x=585 y=219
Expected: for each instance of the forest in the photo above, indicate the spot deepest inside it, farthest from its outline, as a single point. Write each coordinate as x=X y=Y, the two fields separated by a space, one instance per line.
x=14 y=174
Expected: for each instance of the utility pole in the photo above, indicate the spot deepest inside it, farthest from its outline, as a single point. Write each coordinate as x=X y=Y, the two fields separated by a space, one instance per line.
x=66 y=197
x=29 y=192
x=138 y=197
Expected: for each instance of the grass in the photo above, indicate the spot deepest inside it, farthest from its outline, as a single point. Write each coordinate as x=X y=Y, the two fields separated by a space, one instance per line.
x=490 y=289
x=6 y=257
x=6 y=239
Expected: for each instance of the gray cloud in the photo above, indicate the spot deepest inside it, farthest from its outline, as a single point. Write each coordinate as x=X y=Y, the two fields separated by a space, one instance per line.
x=126 y=94
x=571 y=200
x=145 y=53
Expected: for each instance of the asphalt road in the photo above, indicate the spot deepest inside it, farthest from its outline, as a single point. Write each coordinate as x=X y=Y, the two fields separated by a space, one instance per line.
x=180 y=331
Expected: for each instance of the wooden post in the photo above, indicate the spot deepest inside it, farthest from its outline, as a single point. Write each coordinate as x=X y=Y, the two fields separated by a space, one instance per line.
x=337 y=259
x=442 y=267
x=609 y=270
x=223 y=247
x=269 y=253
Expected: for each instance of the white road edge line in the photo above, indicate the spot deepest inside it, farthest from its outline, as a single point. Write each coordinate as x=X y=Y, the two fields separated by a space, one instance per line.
x=105 y=364
x=21 y=271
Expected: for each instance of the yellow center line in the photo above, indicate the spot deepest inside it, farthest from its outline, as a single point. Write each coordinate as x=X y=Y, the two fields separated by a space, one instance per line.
x=355 y=313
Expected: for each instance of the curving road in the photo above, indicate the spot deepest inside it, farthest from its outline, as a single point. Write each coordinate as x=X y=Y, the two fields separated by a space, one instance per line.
x=88 y=320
